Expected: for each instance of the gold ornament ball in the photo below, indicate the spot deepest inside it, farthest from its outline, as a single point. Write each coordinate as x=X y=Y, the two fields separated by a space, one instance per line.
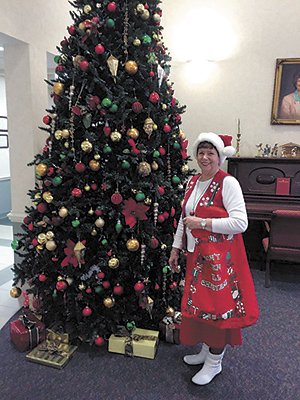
x=91 y=211
x=37 y=196
x=144 y=168
x=97 y=157
x=39 y=248
x=185 y=168
x=47 y=196
x=63 y=212
x=65 y=133
x=164 y=107
x=163 y=246
x=94 y=232
x=156 y=18
x=86 y=146
x=50 y=235
x=115 y=136
x=154 y=166
x=87 y=8
x=94 y=165
x=155 y=37
x=41 y=169
x=131 y=67
x=145 y=15
x=132 y=244
x=155 y=127
x=57 y=134
x=42 y=238
x=66 y=145
x=15 y=292
x=140 y=8
x=109 y=302
x=51 y=245
x=99 y=222
x=58 y=88
x=137 y=42
x=170 y=312
x=133 y=133
x=82 y=27
x=148 y=201
x=113 y=263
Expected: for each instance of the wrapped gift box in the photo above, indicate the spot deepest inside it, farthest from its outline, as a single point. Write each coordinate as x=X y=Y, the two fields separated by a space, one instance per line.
x=27 y=332
x=52 y=353
x=56 y=332
x=169 y=329
x=139 y=343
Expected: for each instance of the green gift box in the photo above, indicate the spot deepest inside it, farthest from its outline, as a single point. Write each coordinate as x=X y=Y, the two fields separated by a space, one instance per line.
x=52 y=354
x=139 y=343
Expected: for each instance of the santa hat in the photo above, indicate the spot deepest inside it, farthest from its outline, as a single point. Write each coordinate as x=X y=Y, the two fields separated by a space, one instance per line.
x=221 y=142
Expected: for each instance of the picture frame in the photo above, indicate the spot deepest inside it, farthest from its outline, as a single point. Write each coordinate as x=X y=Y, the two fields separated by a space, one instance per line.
x=3 y=124
x=3 y=141
x=286 y=100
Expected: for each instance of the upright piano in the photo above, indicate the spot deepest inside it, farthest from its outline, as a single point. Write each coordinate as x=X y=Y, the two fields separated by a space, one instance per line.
x=260 y=179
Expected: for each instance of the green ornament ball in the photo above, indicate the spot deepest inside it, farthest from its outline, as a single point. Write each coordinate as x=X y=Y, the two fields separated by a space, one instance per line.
x=107 y=149
x=140 y=196
x=75 y=223
x=119 y=227
x=125 y=164
x=110 y=23
x=165 y=269
x=175 y=179
x=56 y=59
x=98 y=289
x=176 y=146
x=106 y=102
x=57 y=181
x=156 y=154
x=14 y=244
x=113 y=108
x=126 y=151
x=104 y=242
x=146 y=39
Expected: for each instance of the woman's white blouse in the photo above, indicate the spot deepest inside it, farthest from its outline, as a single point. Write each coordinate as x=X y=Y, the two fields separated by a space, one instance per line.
x=233 y=200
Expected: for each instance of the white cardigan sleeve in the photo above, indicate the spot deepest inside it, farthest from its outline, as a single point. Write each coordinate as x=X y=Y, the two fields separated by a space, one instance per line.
x=233 y=200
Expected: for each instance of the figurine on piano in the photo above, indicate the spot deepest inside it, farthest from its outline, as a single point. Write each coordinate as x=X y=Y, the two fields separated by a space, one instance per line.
x=210 y=232
x=267 y=150
x=259 y=149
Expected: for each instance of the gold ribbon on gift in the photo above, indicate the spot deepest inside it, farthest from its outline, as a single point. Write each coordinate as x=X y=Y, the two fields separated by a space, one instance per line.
x=53 y=347
x=130 y=337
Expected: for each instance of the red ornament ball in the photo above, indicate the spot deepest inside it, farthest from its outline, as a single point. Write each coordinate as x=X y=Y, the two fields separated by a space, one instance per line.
x=101 y=275
x=61 y=285
x=156 y=286
x=59 y=68
x=139 y=286
x=99 y=49
x=116 y=198
x=154 y=97
x=173 y=286
x=42 y=278
x=80 y=167
x=137 y=107
x=76 y=192
x=162 y=151
x=106 y=284
x=167 y=128
x=71 y=30
x=161 y=218
x=94 y=186
x=118 y=290
x=42 y=207
x=111 y=6
x=99 y=341
x=47 y=120
x=98 y=211
x=84 y=65
x=161 y=190
x=152 y=74
x=153 y=243
x=106 y=130
x=86 y=311
x=34 y=242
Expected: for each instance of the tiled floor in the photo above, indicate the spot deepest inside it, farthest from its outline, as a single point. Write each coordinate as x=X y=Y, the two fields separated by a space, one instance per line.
x=8 y=305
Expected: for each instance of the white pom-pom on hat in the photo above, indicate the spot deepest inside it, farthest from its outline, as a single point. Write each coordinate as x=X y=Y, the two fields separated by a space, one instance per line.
x=221 y=142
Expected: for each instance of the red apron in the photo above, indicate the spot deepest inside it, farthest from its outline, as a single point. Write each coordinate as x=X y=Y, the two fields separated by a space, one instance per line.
x=219 y=289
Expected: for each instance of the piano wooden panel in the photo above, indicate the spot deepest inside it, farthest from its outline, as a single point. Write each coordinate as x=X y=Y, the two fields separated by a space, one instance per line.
x=258 y=179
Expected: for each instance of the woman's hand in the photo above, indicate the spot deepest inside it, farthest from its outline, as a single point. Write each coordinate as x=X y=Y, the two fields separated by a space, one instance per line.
x=195 y=223
x=173 y=260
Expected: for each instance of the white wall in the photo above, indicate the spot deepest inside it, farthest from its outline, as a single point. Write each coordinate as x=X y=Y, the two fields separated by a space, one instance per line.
x=241 y=86
x=4 y=153
x=28 y=31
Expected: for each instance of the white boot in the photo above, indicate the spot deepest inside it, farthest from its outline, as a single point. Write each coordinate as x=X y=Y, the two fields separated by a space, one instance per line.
x=212 y=367
x=199 y=358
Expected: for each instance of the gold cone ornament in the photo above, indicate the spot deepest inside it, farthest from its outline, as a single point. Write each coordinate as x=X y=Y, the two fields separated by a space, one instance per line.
x=113 y=64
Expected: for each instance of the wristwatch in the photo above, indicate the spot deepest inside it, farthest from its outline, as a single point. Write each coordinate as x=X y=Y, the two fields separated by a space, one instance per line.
x=203 y=223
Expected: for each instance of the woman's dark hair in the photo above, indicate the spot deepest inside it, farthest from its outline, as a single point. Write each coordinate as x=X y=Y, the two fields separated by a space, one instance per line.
x=295 y=78
x=207 y=145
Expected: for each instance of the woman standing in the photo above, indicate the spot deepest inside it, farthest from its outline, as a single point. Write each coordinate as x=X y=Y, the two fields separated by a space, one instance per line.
x=219 y=296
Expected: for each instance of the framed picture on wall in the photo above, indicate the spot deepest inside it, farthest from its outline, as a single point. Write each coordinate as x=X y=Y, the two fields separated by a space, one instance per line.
x=286 y=95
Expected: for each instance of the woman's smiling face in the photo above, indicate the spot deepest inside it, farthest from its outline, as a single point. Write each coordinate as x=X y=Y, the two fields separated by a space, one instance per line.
x=208 y=160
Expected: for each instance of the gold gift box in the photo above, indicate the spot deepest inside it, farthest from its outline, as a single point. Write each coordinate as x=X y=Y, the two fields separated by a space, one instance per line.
x=145 y=348
x=60 y=336
x=54 y=360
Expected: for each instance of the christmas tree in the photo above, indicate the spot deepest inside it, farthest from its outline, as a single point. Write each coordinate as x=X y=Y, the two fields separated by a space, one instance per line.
x=110 y=179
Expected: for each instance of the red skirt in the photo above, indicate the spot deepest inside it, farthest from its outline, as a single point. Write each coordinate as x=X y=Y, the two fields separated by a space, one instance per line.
x=193 y=331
